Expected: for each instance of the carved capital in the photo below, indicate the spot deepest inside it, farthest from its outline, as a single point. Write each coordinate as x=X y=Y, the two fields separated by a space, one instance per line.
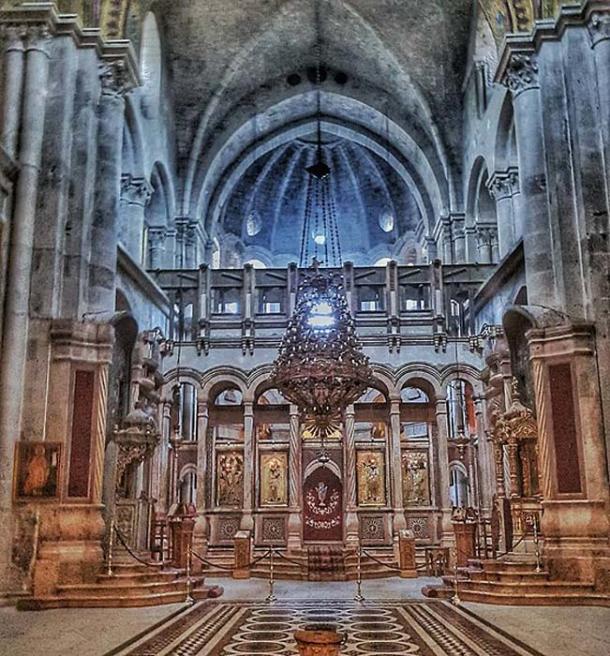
x=135 y=191
x=503 y=184
x=156 y=236
x=115 y=79
x=599 y=27
x=521 y=73
x=26 y=36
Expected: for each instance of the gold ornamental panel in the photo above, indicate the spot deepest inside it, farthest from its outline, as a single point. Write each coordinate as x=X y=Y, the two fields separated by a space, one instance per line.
x=370 y=466
x=415 y=478
x=274 y=478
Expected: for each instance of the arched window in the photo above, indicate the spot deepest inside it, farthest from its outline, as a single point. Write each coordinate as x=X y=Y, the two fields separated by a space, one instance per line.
x=412 y=427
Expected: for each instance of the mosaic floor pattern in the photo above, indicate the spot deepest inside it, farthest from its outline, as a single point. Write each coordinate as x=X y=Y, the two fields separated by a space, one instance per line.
x=425 y=628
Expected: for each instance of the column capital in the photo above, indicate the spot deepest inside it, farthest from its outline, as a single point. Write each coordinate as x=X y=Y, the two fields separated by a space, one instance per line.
x=115 y=79
x=521 y=72
x=135 y=191
x=599 y=27
x=504 y=184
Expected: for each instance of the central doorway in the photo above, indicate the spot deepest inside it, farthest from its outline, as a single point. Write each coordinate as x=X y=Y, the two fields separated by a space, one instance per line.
x=323 y=506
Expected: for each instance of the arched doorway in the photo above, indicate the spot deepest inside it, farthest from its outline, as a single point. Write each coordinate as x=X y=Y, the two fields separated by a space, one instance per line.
x=323 y=506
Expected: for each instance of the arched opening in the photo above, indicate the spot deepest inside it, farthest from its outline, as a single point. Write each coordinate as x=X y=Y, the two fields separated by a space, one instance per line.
x=151 y=65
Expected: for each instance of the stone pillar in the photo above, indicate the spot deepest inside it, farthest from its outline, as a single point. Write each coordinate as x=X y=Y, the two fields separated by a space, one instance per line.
x=247 y=522
x=13 y=67
x=16 y=310
x=485 y=458
x=521 y=77
x=399 y=521
x=155 y=257
x=135 y=195
x=352 y=529
x=200 y=535
x=571 y=453
x=104 y=231
x=459 y=237
x=241 y=545
x=442 y=465
x=295 y=474
x=406 y=555
x=501 y=188
x=71 y=532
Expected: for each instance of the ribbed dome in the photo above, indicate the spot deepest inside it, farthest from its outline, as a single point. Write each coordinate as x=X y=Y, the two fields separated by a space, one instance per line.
x=376 y=212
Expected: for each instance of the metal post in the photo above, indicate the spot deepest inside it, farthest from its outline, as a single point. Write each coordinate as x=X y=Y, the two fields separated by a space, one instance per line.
x=456 y=597
x=189 y=600
x=359 y=596
x=110 y=548
x=537 y=544
x=271 y=597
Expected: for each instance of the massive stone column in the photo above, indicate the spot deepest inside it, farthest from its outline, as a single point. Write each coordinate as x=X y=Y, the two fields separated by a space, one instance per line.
x=521 y=77
x=104 y=231
x=247 y=522
x=135 y=194
x=295 y=522
x=571 y=453
x=399 y=521
x=16 y=313
x=13 y=66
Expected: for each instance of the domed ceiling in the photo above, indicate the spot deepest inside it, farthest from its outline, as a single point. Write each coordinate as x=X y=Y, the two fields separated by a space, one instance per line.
x=376 y=213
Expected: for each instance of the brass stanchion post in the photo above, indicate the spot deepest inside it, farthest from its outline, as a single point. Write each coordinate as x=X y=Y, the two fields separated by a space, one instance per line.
x=537 y=545
x=359 y=597
x=456 y=597
x=189 y=599
x=110 y=548
x=271 y=597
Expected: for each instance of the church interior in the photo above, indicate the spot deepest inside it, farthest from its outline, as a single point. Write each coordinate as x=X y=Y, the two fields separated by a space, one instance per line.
x=304 y=326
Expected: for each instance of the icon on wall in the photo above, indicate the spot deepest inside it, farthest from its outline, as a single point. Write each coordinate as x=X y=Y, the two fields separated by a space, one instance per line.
x=371 y=478
x=37 y=470
x=274 y=488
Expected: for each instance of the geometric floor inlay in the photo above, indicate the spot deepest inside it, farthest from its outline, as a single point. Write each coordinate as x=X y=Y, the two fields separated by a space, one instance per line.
x=384 y=628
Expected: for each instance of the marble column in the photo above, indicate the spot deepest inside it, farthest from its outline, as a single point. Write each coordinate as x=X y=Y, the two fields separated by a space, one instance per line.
x=352 y=529
x=135 y=195
x=201 y=532
x=16 y=311
x=247 y=522
x=295 y=473
x=521 y=77
x=104 y=231
x=399 y=521
x=442 y=433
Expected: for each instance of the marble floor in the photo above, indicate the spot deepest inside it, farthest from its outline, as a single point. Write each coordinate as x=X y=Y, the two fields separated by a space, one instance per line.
x=95 y=632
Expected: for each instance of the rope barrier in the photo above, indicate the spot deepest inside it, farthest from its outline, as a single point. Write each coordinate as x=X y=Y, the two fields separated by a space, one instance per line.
x=230 y=568
x=132 y=554
x=291 y=560
x=380 y=562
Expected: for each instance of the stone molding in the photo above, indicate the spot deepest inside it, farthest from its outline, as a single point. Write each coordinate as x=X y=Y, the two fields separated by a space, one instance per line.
x=591 y=13
x=42 y=19
x=504 y=184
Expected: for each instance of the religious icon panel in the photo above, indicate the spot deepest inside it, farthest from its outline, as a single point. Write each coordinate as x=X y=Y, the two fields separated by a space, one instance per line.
x=371 y=478
x=415 y=478
x=230 y=479
x=37 y=470
x=274 y=478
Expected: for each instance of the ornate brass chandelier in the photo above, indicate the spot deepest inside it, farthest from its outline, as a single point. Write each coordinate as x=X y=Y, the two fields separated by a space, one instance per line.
x=321 y=367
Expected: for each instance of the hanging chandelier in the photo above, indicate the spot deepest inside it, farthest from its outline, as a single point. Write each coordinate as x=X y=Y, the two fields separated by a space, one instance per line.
x=321 y=367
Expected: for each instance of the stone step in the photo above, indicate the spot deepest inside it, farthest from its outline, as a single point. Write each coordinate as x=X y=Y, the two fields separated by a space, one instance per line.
x=508 y=577
x=138 y=577
x=100 y=601
x=110 y=589
x=521 y=598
